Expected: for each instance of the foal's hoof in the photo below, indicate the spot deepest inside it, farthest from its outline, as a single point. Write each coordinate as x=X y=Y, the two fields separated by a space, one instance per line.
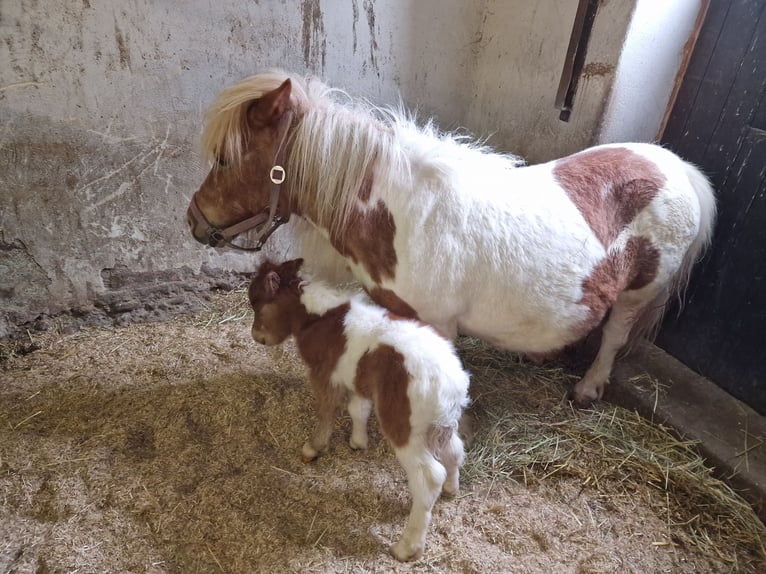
x=357 y=445
x=404 y=553
x=309 y=453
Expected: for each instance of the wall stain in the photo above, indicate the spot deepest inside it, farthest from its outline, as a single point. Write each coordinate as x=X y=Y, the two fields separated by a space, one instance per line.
x=355 y=12
x=122 y=47
x=369 y=8
x=314 y=38
x=597 y=69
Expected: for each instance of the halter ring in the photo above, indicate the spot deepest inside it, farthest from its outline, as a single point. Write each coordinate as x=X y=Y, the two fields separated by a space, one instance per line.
x=277 y=174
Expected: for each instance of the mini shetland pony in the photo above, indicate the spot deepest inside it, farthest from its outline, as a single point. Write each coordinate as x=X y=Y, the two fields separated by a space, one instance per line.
x=529 y=258
x=403 y=367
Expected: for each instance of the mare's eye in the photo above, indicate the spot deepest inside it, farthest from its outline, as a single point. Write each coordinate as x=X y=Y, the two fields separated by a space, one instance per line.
x=220 y=161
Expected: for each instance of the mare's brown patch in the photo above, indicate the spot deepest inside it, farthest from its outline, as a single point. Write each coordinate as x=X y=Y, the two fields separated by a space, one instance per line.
x=632 y=268
x=609 y=187
x=365 y=190
x=321 y=341
x=369 y=240
x=391 y=301
x=382 y=377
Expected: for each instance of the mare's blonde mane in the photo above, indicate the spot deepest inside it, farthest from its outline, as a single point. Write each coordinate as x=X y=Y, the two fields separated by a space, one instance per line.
x=337 y=145
x=223 y=134
x=332 y=148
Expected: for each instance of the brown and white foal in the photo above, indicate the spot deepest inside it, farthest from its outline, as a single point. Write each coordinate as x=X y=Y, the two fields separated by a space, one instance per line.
x=404 y=368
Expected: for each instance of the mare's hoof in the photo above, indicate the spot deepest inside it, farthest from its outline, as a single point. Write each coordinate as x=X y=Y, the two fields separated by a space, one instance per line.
x=582 y=400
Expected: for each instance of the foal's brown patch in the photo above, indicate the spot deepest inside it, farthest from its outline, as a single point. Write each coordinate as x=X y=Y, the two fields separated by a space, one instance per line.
x=632 y=268
x=382 y=377
x=369 y=240
x=391 y=301
x=609 y=187
x=322 y=342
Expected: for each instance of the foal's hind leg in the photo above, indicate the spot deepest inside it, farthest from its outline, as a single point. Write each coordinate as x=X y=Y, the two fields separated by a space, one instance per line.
x=623 y=316
x=425 y=476
x=452 y=456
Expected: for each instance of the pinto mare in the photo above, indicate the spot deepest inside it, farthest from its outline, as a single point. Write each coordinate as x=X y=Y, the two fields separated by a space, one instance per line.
x=529 y=258
x=401 y=366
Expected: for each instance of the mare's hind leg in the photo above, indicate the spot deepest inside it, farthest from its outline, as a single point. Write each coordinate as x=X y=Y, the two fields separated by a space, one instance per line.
x=625 y=311
x=425 y=476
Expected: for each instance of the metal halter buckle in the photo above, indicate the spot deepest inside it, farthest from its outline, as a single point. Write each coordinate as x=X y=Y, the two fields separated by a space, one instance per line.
x=280 y=174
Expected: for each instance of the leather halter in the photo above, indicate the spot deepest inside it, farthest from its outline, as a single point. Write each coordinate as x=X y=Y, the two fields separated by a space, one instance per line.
x=218 y=236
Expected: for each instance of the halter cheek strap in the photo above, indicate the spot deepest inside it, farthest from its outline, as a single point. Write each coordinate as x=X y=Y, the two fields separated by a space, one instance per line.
x=277 y=174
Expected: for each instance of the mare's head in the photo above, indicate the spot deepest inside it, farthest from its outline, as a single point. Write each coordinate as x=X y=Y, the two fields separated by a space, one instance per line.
x=245 y=140
x=274 y=294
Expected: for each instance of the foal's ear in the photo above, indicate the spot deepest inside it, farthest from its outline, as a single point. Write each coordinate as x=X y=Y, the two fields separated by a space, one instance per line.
x=271 y=106
x=271 y=283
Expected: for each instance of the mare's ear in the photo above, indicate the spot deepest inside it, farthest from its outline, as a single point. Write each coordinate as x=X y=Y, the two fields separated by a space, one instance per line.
x=271 y=283
x=270 y=107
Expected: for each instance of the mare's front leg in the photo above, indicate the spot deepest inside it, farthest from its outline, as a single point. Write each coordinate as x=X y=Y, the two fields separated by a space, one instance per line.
x=359 y=408
x=327 y=398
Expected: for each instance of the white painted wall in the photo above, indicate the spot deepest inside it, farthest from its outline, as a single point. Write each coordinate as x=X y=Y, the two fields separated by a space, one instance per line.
x=649 y=63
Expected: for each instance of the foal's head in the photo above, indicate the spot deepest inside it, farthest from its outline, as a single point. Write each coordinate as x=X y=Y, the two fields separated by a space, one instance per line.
x=244 y=138
x=274 y=294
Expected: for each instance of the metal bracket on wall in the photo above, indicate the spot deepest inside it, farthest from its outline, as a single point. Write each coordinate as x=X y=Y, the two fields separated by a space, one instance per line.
x=575 y=58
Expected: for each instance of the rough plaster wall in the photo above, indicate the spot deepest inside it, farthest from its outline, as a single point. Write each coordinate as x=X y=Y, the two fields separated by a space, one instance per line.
x=100 y=109
x=101 y=102
x=649 y=62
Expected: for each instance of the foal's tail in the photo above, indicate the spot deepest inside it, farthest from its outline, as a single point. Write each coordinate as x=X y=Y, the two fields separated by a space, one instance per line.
x=648 y=323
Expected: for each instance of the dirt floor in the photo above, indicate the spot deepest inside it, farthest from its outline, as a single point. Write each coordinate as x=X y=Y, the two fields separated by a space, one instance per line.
x=175 y=447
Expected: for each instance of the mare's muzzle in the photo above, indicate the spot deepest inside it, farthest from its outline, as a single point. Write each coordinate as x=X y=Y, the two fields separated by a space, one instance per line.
x=264 y=223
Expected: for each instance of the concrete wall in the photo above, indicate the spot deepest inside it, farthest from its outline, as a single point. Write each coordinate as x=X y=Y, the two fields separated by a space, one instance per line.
x=520 y=57
x=101 y=102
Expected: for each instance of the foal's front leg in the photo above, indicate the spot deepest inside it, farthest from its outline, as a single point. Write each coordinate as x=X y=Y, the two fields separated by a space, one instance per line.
x=359 y=408
x=327 y=397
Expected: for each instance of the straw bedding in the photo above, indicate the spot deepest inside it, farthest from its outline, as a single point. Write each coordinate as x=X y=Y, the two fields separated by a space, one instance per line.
x=175 y=447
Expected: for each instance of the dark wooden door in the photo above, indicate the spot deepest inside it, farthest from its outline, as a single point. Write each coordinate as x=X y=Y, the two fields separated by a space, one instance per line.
x=719 y=123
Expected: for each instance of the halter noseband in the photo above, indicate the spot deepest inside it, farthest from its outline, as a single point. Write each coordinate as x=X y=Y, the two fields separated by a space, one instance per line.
x=277 y=174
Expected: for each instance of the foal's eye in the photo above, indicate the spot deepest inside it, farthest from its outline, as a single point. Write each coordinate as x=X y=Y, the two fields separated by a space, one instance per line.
x=220 y=161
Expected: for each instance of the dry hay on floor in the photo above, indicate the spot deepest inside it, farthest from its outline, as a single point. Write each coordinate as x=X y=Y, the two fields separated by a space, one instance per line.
x=174 y=447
